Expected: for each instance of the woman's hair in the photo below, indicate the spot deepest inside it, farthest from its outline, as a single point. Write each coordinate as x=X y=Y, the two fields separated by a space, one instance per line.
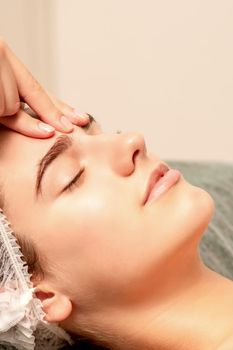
x=31 y=256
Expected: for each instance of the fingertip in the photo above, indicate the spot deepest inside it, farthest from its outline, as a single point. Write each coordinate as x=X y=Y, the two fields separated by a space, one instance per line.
x=77 y=118
x=82 y=116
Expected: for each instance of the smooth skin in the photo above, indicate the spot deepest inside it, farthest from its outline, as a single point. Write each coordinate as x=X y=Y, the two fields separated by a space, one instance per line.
x=17 y=85
x=130 y=272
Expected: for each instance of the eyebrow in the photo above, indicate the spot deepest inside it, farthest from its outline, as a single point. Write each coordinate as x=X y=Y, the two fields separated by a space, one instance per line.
x=62 y=144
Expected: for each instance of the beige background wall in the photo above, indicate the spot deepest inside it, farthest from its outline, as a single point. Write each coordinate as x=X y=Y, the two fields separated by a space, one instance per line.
x=164 y=68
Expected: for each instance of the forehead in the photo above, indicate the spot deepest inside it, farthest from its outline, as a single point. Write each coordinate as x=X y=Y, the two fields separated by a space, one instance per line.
x=15 y=147
x=20 y=154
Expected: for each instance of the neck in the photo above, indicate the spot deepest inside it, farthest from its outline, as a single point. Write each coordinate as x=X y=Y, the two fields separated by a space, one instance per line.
x=195 y=314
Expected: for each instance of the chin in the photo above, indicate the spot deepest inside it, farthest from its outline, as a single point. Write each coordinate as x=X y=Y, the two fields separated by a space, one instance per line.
x=181 y=215
x=202 y=208
x=194 y=209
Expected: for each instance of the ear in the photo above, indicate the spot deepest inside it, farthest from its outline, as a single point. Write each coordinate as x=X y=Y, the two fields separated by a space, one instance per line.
x=56 y=305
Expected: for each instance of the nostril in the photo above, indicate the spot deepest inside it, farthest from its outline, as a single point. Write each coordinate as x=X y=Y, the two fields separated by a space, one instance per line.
x=135 y=154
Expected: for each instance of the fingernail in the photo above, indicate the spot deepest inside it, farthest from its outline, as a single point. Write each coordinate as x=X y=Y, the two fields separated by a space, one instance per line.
x=80 y=114
x=45 y=127
x=66 y=123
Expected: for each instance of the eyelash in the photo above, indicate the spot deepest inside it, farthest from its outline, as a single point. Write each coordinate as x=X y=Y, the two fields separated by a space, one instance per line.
x=74 y=181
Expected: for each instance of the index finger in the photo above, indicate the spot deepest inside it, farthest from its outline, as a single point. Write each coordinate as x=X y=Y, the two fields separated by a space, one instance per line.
x=34 y=95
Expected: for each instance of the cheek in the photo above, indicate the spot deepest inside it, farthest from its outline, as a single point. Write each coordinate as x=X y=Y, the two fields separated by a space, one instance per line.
x=102 y=226
x=113 y=241
x=107 y=235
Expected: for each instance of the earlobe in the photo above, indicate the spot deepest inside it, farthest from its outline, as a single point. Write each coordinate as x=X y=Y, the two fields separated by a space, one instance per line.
x=57 y=306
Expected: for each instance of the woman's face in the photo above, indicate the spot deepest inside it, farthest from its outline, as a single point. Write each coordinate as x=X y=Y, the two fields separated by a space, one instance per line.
x=106 y=245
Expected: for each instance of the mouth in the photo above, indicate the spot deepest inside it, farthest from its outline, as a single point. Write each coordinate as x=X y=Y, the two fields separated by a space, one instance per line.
x=156 y=174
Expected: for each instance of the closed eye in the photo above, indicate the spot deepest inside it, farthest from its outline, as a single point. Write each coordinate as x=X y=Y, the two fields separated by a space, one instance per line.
x=73 y=182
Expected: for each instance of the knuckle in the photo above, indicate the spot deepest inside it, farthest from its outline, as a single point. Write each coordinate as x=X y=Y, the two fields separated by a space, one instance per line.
x=63 y=107
x=54 y=113
x=35 y=88
x=13 y=109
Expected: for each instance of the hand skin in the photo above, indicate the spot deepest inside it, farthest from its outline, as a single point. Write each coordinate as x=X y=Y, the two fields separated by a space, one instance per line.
x=16 y=85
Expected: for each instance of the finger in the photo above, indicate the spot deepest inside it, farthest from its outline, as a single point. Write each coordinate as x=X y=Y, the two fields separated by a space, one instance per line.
x=75 y=116
x=35 y=96
x=26 y=125
x=9 y=87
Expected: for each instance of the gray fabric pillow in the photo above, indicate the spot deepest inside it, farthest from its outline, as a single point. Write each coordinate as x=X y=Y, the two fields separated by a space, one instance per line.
x=216 y=246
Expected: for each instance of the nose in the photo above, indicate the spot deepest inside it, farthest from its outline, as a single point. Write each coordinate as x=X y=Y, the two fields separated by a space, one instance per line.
x=127 y=149
x=119 y=152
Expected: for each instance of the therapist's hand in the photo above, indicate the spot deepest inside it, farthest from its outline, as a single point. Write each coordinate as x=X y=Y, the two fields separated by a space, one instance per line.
x=18 y=85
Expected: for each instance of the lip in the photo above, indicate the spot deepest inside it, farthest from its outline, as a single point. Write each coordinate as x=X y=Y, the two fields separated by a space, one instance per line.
x=156 y=174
